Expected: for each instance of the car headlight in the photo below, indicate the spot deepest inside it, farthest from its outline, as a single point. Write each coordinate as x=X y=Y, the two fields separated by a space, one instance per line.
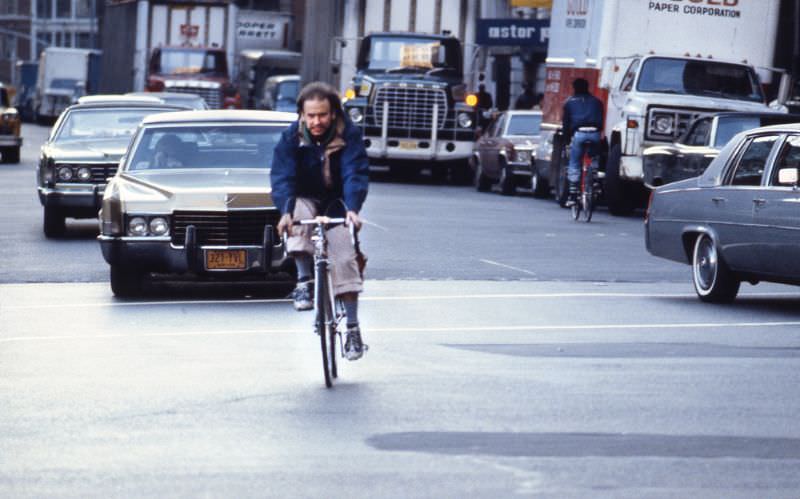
x=355 y=114
x=365 y=88
x=84 y=174
x=159 y=226
x=464 y=120
x=137 y=226
x=10 y=115
x=523 y=156
x=663 y=125
x=65 y=173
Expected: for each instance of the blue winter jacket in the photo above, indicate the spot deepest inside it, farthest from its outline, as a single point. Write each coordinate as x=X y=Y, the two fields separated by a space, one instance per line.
x=297 y=172
x=582 y=110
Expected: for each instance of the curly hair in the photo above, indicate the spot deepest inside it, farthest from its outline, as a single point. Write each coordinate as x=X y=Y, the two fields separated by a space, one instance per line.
x=318 y=90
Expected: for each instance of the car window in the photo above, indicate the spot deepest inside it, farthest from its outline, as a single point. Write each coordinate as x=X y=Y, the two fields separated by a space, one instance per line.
x=205 y=146
x=501 y=123
x=788 y=157
x=750 y=164
x=630 y=75
x=698 y=135
x=524 y=124
x=728 y=126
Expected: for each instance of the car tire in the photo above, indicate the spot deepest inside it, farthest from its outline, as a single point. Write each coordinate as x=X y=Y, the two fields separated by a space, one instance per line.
x=617 y=193
x=562 y=184
x=53 y=222
x=538 y=184
x=11 y=155
x=481 y=181
x=713 y=280
x=507 y=181
x=126 y=282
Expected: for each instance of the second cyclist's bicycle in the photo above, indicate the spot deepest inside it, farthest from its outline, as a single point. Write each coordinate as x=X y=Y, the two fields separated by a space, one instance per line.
x=589 y=186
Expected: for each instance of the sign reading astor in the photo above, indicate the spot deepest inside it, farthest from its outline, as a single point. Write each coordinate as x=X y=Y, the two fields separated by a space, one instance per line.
x=527 y=32
x=717 y=8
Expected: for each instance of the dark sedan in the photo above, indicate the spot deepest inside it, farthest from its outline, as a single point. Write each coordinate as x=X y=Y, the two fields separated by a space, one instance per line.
x=83 y=151
x=740 y=220
x=693 y=151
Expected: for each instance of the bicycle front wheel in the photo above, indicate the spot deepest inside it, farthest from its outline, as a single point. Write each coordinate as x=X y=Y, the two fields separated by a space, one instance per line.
x=576 y=209
x=321 y=328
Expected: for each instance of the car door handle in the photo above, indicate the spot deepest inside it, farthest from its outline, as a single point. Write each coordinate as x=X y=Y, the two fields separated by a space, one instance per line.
x=759 y=202
x=718 y=200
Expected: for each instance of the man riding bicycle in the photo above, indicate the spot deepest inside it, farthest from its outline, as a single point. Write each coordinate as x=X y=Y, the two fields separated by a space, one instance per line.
x=320 y=167
x=582 y=122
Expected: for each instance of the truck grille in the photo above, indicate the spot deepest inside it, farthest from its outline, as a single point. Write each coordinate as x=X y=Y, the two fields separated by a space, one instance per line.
x=680 y=118
x=232 y=228
x=212 y=96
x=410 y=107
x=101 y=173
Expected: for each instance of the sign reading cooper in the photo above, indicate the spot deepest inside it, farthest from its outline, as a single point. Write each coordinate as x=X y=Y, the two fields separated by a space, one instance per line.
x=716 y=8
x=514 y=32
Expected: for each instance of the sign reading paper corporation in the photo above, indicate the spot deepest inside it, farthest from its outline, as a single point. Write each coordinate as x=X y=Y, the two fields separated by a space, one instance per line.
x=513 y=32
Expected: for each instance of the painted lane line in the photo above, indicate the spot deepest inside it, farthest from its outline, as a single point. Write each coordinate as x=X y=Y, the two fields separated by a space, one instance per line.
x=490 y=262
x=478 y=296
x=373 y=224
x=444 y=329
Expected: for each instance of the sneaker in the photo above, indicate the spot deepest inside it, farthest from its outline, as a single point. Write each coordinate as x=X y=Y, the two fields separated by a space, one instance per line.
x=353 y=347
x=301 y=296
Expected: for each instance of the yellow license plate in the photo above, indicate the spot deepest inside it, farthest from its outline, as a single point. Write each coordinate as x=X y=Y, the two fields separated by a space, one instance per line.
x=407 y=144
x=226 y=259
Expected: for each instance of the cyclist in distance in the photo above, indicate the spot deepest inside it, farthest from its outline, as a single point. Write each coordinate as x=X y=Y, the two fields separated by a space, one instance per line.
x=582 y=121
x=320 y=167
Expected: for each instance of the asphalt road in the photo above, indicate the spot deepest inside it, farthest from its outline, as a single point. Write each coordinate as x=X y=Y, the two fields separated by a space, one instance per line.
x=512 y=353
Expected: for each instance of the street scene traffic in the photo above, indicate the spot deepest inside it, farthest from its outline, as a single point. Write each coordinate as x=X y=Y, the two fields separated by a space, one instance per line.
x=538 y=248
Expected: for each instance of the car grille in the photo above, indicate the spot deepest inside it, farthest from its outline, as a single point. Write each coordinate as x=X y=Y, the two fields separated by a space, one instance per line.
x=410 y=107
x=681 y=118
x=101 y=173
x=212 y=96
x=232 y=228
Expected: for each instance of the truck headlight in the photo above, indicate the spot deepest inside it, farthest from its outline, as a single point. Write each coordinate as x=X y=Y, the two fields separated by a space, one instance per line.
x=663 y=125
x=159 y=226
x=464 y=120
x=84 y=174
x=355 y=114
x=65 y=173
x=137 y=226
x=523 y=156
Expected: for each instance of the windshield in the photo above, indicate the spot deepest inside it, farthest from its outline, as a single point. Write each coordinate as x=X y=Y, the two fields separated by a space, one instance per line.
x=690 y=77
x=101 y=123
x=287 y=91
x=206 y=146
x=180 y=61
x=64 y=83
x=728 y=127
x=411 y=53
x=524 y=124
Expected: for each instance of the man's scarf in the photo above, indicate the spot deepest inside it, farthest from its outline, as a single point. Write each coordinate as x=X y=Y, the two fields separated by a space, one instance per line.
x=332 y=141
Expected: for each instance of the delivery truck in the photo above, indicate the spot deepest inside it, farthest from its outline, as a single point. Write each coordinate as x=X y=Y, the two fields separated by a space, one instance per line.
x=656 y=65
x=64 y=75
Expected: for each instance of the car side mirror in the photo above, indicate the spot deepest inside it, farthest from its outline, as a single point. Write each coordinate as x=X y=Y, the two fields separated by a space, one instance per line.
x=787 y=176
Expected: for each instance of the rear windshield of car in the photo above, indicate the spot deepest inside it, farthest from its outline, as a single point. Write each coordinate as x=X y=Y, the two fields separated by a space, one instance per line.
x=92 y=124
x=728 y=127
x=205 y=146
x=524 y=124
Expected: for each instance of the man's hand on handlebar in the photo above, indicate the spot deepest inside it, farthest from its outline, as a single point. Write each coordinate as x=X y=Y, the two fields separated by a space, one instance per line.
x=354 y=220
x=285 y=223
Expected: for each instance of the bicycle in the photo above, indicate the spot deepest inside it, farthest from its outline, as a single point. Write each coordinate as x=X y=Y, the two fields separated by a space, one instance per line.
x=589 y=185
x=328 y=310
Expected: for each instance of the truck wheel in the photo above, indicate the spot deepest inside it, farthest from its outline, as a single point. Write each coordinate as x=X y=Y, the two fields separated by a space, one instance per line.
x=54 y=225
x=125 y=282
x=713 y=280
x=461 y=172
x=481 y=181
x=10 y=155
x=617 y=193
x=562 y=184
x=439 y=173
x=508 y=184
x=555 y=163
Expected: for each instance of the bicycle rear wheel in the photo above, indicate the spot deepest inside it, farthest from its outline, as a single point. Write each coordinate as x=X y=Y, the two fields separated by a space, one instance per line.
x=320 y=327
x=588 y=206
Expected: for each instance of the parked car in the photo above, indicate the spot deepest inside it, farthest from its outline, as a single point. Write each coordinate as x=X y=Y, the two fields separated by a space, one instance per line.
x=738 y=221
x=280 y=93
x=693 y=151
x=504 y=152
x=82 y=152
x=10 y=128
x=189 y=101
x=193 y=198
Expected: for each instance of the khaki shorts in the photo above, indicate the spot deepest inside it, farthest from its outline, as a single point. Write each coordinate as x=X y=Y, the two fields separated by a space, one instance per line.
x=341 y=254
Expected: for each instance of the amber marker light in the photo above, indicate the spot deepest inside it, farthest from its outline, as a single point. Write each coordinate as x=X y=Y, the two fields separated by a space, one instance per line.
x=349 y=94
x=472 y=100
